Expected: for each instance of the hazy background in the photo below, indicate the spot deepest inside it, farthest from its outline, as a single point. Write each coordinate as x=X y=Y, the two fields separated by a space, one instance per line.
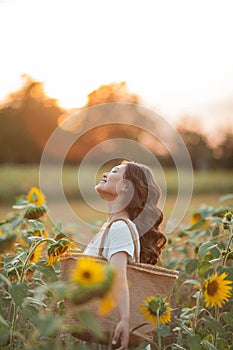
x=172 y=57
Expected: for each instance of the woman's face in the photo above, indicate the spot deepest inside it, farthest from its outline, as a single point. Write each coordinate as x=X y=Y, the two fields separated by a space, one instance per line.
x=111 y=184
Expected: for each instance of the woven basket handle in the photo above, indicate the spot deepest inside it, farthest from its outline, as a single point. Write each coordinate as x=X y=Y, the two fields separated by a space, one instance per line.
x=132 y=232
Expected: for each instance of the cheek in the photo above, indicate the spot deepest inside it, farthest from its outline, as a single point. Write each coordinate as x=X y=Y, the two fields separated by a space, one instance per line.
x=114 y=180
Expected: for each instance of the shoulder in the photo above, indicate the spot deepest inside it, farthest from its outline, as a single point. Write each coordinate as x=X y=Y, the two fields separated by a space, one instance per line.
x=122 y=227
x=119 y=224
x=122 y=224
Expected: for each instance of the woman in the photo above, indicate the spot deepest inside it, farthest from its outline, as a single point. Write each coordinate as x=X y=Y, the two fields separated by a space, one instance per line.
x=131 y=193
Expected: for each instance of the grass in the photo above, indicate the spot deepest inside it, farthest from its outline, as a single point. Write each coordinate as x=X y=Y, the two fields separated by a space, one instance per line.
x=16 y=180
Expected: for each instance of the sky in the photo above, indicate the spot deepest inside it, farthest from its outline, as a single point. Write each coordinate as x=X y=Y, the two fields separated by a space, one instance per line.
x=176 y=54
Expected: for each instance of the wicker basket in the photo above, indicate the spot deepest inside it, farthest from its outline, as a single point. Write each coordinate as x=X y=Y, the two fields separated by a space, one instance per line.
x=144 y=280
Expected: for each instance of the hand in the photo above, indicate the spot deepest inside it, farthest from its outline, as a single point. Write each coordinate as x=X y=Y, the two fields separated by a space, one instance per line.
x=121 y=334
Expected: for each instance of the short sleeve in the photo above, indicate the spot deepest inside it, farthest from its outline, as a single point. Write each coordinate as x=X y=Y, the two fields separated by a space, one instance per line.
x=119 y=239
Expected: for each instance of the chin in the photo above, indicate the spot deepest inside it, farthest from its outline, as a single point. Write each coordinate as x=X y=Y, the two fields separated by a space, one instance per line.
x=104 y=193
x=99 y=189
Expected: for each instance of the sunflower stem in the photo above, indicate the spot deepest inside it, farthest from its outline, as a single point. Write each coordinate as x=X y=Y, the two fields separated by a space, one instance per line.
x=196 y=312
x=13 y=326
x=216 y=316
x=15 y=308
x=30 y=254
x=228 y=246
x=158 y=333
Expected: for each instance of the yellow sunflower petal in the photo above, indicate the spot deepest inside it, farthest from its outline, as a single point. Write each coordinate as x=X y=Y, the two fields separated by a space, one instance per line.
x=37 y=254
x=35 y=196
x=106 y=304
x=217 y=290
x=88 y=272
x=150 y=310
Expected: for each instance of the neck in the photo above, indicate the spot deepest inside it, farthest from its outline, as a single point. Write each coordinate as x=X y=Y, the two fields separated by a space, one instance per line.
x=115 y=212
x=120 y=214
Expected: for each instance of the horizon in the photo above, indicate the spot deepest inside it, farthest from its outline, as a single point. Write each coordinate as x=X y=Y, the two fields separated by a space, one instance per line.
x=176 y=67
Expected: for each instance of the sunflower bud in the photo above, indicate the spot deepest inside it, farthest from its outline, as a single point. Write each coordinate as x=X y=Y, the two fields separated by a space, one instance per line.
x=35 y=212
x=229 y=216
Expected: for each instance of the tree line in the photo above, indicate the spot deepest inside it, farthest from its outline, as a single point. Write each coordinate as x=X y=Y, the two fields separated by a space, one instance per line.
x=29 y=117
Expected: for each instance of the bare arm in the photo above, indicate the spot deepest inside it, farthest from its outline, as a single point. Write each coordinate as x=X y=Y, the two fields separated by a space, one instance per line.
x=121 y=294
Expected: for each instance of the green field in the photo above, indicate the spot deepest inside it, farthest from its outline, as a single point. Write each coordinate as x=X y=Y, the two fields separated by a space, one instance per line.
x=16 y=180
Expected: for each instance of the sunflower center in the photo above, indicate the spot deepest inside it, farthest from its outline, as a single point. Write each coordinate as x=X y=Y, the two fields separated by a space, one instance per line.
x=212 y=288
x=156 y=304
x=86 y=275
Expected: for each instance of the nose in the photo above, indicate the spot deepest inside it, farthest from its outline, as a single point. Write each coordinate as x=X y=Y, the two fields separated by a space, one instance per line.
x=105 y=175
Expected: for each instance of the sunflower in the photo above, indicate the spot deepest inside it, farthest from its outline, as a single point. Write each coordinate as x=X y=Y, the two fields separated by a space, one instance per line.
x=35 y=211
x=36 y=197
x=107 y=303
x=37 y=254
x=14 y=275
x=197 y=218
x=216 y=290
x=37 y=233
x=62 y=246
x=154 y=307
x=88 y=272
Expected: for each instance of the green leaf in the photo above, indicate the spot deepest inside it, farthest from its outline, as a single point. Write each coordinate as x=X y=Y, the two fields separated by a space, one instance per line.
x=208 y=345
x=37 y=225
x=187 y=329
x=220 y=212
x=3 y=321
x=216 y=231
x=197 y=225
x=16 y=221
x=203 y=267
x=18 y=292
x=5 y=280
x=228 y=317
x=30 y=312
x=228 y=270
x=35 y=301
x=196 y=295
x=163 y=330
x=226 y=197
x=193 y=341
x=58 y=228
x=195 y=282
x=206 y=210
x=4 y=337
x=49 y=274
x=20 y=204
x=177 y=346
x=213 y=324
x=191 y=265
x=205 y=248
x=222 y=344
x=90 y=322
x=48 y=324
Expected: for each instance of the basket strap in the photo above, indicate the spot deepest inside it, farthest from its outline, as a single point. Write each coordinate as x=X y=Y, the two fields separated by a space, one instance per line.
x=132 y=232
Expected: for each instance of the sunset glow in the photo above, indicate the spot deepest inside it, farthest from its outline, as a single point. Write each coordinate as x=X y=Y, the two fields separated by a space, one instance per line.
x=176 y=55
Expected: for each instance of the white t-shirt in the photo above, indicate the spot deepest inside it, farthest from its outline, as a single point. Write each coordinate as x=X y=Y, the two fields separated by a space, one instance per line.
x=118 y=239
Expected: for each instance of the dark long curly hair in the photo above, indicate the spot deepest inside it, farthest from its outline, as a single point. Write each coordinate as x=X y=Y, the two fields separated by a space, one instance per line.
x=143 y=210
